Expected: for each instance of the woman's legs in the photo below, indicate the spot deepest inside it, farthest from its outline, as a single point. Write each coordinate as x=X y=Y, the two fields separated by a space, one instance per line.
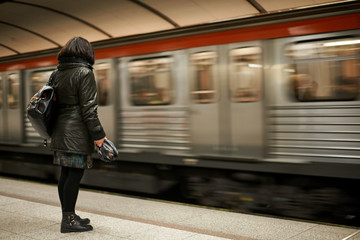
x=71 y=189
x=62 y=180
x=68 y=188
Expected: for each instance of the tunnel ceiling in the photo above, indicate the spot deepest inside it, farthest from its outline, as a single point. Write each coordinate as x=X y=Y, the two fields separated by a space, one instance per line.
x=35 y=25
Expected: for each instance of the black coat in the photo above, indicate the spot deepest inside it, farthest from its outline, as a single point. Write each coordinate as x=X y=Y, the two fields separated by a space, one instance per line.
x=77 y=124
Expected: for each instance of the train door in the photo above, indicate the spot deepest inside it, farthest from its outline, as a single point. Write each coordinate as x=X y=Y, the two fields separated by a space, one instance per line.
x=106 y=85
x=226 y=100
x=11 y=109
x=245 y=84
x=152 y=114
x=204 y=97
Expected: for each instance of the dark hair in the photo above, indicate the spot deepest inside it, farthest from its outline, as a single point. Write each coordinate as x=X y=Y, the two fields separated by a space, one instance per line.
x=78 y=47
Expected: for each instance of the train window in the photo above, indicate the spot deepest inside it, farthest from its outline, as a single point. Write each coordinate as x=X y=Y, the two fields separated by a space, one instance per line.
x=325 y=70
x=13 y=91
x=246 y=74
x=102 y=76
x=203 y=72
x=1 y=91
x=38 y=80
x=151 y=81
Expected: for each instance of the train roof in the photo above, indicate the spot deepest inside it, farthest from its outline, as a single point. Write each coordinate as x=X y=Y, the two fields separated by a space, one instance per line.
x=42 y=26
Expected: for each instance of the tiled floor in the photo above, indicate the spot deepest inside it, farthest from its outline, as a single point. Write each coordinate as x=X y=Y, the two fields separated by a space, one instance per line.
x=31 y=211
x=22 y=219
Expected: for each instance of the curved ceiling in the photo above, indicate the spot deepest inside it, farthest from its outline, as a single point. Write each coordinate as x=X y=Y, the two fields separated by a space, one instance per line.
x=36 y=25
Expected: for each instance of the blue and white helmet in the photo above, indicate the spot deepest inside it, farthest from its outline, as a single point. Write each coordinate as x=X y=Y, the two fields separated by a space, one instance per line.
x=107 y=152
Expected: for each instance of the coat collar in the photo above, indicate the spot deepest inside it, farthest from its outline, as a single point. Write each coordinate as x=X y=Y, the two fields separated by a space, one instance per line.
x=72 y=62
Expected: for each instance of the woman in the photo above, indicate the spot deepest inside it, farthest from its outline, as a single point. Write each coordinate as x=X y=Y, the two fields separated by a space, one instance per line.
x=77 y=126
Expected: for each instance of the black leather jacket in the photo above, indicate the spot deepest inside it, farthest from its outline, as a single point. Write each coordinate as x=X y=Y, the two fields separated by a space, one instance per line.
x=77 y=124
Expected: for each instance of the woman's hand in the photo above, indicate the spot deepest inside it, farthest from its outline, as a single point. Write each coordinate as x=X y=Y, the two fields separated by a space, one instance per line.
x=99 y=142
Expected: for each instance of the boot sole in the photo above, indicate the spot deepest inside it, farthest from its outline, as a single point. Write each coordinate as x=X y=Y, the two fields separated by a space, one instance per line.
x=67 y=230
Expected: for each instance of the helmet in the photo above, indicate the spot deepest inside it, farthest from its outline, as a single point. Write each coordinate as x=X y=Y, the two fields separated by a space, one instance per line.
x=107 y=152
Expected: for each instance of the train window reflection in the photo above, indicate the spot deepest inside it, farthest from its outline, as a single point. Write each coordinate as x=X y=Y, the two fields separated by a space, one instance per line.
x=13 y=90
x=102 y=76
x=151 y=81
x=246 y=74
x=325 y=70
x=38 y=80
x=203 y=72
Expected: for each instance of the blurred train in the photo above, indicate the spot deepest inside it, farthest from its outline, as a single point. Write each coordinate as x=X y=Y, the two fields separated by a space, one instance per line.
x=256 y=114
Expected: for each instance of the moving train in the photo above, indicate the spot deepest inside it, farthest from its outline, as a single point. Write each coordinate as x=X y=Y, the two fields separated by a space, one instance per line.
x=258 y=114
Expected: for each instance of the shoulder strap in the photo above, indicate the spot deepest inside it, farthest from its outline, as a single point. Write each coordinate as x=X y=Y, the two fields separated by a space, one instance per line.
x=51 y=79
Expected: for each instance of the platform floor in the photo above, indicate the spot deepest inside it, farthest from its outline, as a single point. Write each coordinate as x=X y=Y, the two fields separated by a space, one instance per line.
x=31 y=210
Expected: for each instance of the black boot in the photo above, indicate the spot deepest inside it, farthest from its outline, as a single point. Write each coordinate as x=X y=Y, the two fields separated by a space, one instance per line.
x=83 y=221
x=71 y=224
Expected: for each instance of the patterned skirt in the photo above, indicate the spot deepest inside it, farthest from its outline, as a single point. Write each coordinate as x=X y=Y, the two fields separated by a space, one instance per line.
x=72 y=160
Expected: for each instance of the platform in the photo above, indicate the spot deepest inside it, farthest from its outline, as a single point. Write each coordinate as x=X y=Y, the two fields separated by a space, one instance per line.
x=30 y=210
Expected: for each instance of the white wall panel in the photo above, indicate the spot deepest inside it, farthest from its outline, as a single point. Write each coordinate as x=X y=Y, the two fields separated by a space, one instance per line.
x=191 y=12
x=21 y=41
x=118 y=18
x=279 y=5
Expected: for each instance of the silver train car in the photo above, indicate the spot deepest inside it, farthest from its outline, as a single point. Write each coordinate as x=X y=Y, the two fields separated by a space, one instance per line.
x=270 y=124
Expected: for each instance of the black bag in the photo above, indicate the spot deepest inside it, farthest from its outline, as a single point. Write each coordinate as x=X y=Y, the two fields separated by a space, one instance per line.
x=41 y=110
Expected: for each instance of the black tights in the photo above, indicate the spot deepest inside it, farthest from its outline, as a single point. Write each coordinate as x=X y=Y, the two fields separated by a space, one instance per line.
x=68 y=187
